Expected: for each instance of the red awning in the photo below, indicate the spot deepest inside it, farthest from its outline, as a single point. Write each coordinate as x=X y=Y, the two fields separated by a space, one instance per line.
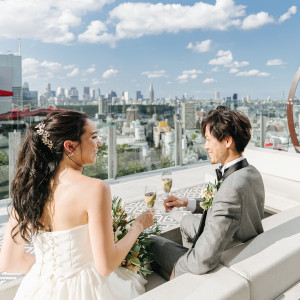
x=5 y=93
x=19 y=114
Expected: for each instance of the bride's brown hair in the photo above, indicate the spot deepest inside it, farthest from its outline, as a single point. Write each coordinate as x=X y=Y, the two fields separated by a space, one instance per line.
x=41 y=151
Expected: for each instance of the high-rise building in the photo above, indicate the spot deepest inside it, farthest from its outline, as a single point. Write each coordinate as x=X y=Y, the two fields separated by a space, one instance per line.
x=47 y=94
x=228 y=102
x=131 y=115
x=11 y=80
x=92 y=94
x=29 y=96
x=86 y=93
x=102 y=107
x=73 y=95
x=235 y=100
x=25 y=87
x=60 y=92
x=189 y=115
x=138 y=95
x=151 y=93
x=217 y=95
x=111 y=95
x=98 y=94
x=125 y=96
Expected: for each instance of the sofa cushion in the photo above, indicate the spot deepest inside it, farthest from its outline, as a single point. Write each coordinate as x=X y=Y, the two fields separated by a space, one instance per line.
x=280 y=218
x=219 y=284
x=291 y=294
x=8 y=290
x=270 y=262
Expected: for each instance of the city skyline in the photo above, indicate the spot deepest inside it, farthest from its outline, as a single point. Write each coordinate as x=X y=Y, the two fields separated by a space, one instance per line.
x=181 y=47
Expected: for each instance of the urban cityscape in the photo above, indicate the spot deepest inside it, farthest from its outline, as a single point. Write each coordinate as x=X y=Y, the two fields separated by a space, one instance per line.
x=145 y=126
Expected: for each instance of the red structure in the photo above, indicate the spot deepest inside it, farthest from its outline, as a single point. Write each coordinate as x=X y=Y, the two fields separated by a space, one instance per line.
x=290 y=114
x=25 y=112
x=5 y=93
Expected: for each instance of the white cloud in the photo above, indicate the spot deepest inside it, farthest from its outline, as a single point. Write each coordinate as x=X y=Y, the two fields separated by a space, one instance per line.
x=253 y=72
x=224 y=58
x=73 y=73
x=257 y=20
x=275 y=62
x=215 y=69
x=237 y=64
x=209 y=80
x=233 y=70
x=292 y=11
x=263 y=74
x=95 y=33
x=33 y=68
x=49 y=21
x=110 y=73
x=155 y=74
x=134 y=20
x=188 y=74
x=95 y=81
x=200 y=47
x=90 y=70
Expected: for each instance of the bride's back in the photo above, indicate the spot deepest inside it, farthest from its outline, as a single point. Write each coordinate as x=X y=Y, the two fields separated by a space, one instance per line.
x=66 y=207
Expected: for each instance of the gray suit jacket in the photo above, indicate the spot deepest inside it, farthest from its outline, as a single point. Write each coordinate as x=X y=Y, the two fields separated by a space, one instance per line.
x=234 y=217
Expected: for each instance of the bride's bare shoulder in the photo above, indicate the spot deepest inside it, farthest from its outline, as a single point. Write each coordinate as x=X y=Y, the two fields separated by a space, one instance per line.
x=94 y=186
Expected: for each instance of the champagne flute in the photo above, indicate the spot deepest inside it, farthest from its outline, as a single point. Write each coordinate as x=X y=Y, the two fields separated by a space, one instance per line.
x=166 y=181
x=150 y=197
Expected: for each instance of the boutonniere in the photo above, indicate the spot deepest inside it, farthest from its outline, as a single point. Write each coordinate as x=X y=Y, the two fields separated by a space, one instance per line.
x=208 y=194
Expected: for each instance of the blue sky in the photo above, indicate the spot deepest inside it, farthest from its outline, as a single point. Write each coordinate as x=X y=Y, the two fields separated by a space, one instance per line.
x=194 y=47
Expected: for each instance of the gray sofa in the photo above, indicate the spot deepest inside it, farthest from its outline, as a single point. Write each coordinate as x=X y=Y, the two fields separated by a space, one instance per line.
x=266 y=267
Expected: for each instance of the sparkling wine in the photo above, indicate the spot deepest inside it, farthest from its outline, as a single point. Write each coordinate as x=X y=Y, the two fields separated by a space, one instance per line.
x=167 y=184
x=150 y=199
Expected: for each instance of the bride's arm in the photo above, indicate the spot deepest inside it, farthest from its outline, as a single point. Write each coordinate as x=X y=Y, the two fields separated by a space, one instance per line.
x=13 y=258
x=108 y=255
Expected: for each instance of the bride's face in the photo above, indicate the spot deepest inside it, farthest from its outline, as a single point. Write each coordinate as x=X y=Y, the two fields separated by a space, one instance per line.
x=89 y=144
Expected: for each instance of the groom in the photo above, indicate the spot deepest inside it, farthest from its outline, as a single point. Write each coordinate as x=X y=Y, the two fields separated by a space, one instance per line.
x=237 y=208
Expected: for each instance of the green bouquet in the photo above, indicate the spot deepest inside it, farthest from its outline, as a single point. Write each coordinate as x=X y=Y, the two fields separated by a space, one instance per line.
x=138 y=258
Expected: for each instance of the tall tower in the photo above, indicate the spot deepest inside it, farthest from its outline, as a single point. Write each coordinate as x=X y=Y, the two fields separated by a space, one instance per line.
x=47 y=93
x=86 y=93
x=151 y=93
x=189 y=115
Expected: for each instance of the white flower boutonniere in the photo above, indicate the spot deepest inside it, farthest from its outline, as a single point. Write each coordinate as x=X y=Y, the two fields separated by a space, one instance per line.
x=208 y=194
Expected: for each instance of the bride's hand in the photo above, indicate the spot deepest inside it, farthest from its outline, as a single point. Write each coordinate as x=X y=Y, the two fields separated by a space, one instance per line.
x=145 y=220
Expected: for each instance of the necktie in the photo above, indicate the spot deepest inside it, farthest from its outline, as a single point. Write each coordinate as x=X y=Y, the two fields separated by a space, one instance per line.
x=219 y=173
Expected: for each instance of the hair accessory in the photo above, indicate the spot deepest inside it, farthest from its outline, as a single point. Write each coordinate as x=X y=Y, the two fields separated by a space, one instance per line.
x=44 y=134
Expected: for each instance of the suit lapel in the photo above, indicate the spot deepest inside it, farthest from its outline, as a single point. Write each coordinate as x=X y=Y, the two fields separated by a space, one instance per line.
x=239 y=165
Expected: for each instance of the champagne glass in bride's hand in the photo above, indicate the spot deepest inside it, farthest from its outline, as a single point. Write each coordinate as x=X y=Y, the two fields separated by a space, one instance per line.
x=150 y=198
x=166 y=181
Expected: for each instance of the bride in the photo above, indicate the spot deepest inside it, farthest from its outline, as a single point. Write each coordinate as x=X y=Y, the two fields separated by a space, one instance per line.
x=67 y=216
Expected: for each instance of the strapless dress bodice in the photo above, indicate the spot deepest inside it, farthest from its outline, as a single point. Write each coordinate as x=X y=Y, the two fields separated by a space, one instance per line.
x=63 y=253
x=64 y=270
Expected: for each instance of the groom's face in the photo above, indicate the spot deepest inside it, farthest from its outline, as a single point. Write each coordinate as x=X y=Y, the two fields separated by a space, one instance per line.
x=218 y=152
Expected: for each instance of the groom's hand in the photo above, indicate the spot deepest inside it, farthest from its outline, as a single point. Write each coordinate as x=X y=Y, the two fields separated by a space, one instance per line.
x=172 y=275
x=173 y=201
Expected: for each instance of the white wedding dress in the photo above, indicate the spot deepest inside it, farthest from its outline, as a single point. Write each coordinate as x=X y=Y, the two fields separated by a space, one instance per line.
x=64 y=270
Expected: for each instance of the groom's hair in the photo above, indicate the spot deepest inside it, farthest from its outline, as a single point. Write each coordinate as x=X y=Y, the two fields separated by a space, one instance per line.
x=224 y=122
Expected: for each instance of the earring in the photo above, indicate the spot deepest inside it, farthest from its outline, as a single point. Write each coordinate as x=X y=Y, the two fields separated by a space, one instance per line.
x=71 y=154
